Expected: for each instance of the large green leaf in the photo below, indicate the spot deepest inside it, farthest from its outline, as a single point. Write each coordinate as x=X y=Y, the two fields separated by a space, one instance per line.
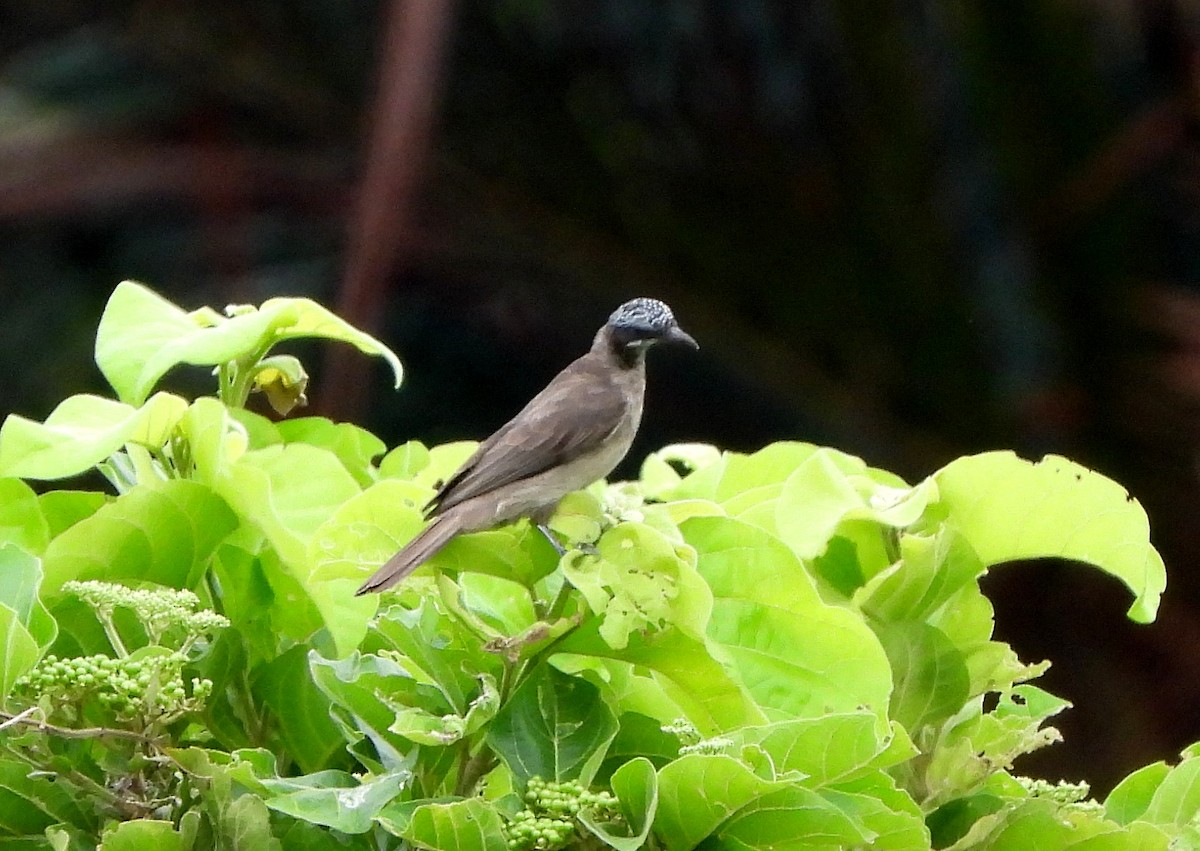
x=704 y=795
x=797 y=655
x=161 y=532
x=83 y=431
x=355 y=447
x=830 y=749
x=288 y=492
x=470 y=825
x=142 y=336
x=1009 y=508
x=333 y=799
x=553 y=726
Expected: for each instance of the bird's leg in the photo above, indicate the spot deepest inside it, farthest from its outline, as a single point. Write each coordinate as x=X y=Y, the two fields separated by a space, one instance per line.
x=545 y=530
x=589 y=549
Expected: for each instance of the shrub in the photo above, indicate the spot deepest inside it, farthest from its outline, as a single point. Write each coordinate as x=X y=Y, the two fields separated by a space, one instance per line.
x=787 y=649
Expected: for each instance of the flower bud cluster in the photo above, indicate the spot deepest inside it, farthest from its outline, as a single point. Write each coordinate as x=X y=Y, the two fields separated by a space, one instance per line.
x=548 y=821
x=159 y=609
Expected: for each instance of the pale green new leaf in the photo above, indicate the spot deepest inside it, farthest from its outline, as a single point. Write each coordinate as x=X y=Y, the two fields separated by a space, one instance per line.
x=798 y=656
x=83 y=431
x=685 y=669
x=142 y=336
x=1176 y=800
x=1009 y=508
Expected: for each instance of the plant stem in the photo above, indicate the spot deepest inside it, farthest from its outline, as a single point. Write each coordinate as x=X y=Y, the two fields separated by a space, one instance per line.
x=24 y=718
x=473 y=768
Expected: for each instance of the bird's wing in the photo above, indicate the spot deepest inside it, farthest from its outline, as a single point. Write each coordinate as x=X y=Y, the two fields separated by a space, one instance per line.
x=573 y=415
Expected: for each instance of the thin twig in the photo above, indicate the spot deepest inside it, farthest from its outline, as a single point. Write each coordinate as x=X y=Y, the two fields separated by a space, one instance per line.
x=74 y=732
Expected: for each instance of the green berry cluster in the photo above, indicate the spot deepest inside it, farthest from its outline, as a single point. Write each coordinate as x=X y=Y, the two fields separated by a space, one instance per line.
x=147 y=687
x=548 y=821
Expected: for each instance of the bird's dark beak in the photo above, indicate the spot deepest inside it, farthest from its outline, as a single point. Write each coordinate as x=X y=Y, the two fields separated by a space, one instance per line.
x=678 y=335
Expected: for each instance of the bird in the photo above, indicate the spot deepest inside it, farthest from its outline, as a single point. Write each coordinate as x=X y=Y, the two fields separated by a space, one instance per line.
x=572 y=433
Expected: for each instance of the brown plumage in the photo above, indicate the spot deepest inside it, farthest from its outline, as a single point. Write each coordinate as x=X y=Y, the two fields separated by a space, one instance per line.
x=571 y=434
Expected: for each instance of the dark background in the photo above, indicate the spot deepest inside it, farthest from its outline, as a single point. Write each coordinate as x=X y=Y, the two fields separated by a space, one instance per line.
x=910 y=230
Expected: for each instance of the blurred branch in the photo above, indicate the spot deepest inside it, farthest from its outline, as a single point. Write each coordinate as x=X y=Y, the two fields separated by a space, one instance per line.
x=381 y=228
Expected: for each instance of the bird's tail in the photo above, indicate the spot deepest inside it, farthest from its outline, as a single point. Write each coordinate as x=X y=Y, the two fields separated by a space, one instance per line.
x=415 y=553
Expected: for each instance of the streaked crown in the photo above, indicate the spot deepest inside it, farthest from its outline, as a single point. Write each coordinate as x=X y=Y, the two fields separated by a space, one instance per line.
x=647 y=317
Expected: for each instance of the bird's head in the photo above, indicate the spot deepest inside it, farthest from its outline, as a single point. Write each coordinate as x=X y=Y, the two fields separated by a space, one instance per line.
x=637 y=325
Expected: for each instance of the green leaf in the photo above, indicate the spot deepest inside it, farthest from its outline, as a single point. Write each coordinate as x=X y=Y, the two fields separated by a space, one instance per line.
x=372 y=691
x=931 y=677
x=331 y=799
x=684 y=667
x=63 y=509
x=1010 y=509
x=795 y=654
x=635 y=785
x=288 y=492
x=142 y=336
x=141 y=835
x=355 y=447
x=21 y=519
x=1176 y=800
x=30 y=804
x=18 y=650
x=873 y=802
x=554 y=726
x=300 y=709
x=698 y=793
x=470 y=825
x=793 y=819
x=405 y=461
x=1130 y=798
x=83 y=431
x=365 y=531
x=20 y=579
x=830 y=749
x=162 y=532
x=932 y=568
x=978 y=743
x=436 y=648
x=640 y=580
x=1045 y=824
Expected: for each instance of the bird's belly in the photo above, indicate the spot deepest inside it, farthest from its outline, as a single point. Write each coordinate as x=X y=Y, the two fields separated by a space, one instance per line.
x=540 y=494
